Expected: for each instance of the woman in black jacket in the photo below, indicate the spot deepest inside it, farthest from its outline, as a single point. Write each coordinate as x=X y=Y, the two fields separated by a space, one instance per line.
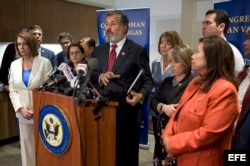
x=167 y=96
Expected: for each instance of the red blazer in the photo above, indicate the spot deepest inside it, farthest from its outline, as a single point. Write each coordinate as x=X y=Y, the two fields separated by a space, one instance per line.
x=202 y=127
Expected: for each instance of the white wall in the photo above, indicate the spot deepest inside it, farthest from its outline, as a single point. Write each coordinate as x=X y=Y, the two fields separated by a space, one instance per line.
x=97 y=3
x=3 y=46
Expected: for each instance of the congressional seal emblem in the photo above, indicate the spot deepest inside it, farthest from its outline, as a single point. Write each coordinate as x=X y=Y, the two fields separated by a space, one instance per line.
x=54 y=129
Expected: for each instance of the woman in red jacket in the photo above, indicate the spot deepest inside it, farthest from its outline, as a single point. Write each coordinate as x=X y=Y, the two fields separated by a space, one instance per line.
x=202 y=126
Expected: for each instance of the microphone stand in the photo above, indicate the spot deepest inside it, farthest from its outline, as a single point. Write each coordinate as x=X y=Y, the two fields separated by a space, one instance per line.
x=102 y=101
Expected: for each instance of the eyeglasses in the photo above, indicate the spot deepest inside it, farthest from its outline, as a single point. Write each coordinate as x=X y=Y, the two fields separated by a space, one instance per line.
x=65 y=43
x=75 y=53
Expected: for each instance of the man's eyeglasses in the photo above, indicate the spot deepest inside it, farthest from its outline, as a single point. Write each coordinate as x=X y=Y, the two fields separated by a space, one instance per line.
x=65 y=43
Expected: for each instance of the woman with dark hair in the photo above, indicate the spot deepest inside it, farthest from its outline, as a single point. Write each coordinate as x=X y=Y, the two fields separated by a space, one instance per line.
x=202 y=126
x=75 y=55
x=78 y=65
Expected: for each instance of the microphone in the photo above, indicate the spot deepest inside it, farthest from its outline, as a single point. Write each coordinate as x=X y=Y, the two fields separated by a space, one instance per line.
x=102 y=101
x=51 y=82
x=55 y=71
x=59 y=74
x=68 y=74
x=58 y=69
x=81 y=70
x=92 y=65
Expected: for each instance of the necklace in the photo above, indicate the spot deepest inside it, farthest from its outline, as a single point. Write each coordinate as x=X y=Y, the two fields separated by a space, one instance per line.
x=175 y=83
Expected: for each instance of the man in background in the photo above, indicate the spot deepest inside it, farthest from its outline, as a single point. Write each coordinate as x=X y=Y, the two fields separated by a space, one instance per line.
x=65 y=40
x=216 y=22
x=37 y=31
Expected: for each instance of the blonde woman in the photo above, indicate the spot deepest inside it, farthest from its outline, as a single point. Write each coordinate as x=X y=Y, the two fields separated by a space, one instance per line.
x=167 y=96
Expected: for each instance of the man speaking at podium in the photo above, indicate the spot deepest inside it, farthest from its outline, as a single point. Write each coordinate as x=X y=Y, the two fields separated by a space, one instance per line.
x=121 y=61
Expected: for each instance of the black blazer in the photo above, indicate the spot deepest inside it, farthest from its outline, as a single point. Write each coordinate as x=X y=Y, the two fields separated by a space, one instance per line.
x=131 y=59
x=167 y=94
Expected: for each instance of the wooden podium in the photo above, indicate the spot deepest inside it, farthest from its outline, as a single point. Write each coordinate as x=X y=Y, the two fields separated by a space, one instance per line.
x=92 y=141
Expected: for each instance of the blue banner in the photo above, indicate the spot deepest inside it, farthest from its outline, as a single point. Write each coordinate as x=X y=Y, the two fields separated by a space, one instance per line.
x=138 y=32
x=239 y=13
x=138 y=25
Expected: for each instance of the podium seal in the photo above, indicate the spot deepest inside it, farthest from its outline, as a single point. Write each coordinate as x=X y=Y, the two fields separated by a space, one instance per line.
x=54 y=129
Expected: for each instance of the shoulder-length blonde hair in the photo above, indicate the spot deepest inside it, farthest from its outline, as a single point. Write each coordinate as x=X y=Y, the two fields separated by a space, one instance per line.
x=30 y=41
x=182 y=54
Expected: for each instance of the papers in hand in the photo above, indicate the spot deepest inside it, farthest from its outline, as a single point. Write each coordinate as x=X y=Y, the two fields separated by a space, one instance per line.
x=137 y=77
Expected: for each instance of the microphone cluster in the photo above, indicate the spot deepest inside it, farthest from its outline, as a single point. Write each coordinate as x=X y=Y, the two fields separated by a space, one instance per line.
x=83 y=88
x=73 y=83
x=57 y=81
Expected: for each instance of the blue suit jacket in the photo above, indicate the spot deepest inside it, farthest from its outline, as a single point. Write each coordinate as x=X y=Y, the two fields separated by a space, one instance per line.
x=49 y=55
x=60 y=58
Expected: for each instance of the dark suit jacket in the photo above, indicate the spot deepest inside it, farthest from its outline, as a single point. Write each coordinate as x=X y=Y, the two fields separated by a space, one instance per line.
x=131 y=59
x=60 y=58
x=49 y=54
x=241 y=138
x=8 y=56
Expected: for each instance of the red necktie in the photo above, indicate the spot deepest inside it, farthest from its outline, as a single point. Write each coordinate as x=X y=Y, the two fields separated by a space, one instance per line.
x=112 y=57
